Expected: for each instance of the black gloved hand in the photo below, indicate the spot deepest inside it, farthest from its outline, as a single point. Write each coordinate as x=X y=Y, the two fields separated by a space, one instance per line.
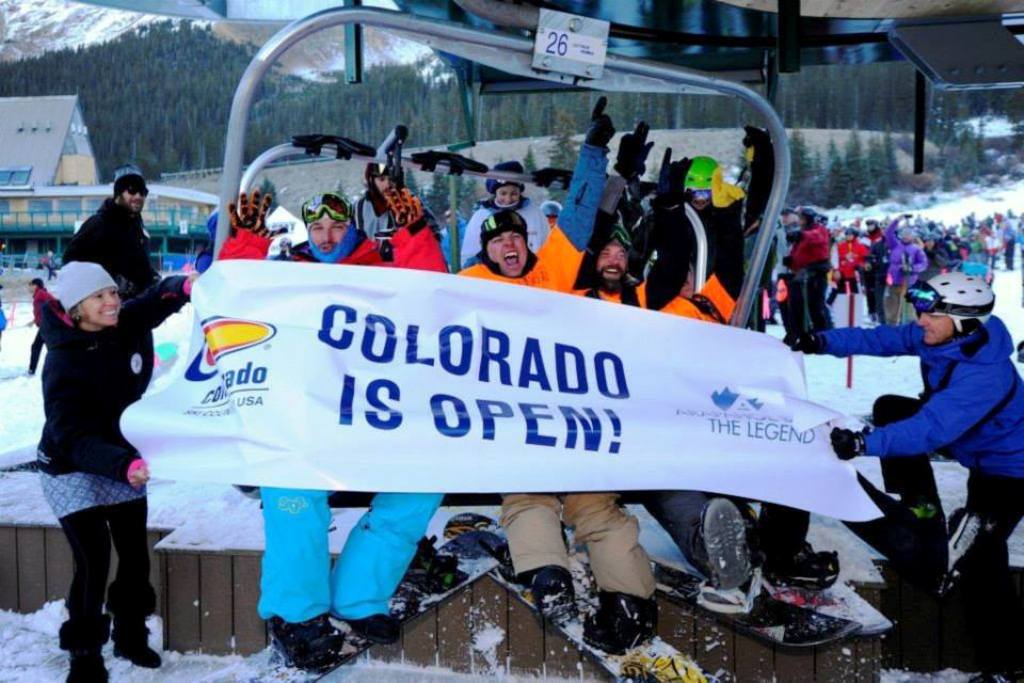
x=633 y=150
x=672 y=177
x=808 y=342
x=847 y=443
x=757 y=138
x=601 y=129
x=787 y=261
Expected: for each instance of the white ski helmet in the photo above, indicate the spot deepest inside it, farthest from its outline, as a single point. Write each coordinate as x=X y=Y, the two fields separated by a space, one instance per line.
x=957 y=295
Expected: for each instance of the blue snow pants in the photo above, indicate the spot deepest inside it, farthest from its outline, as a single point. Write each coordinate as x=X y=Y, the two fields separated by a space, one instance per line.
x=297 y=581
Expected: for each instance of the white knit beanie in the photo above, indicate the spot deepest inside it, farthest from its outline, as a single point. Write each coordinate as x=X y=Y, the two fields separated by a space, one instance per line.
x=79 y=280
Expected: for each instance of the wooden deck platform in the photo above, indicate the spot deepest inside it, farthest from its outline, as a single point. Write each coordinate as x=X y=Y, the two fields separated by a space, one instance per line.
x=207 y=601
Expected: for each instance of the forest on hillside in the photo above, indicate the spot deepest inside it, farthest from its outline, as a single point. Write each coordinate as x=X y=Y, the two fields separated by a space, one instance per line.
x=161 y=97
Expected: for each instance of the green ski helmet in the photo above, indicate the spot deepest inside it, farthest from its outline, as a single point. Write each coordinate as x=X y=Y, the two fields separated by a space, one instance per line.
x=700 y=173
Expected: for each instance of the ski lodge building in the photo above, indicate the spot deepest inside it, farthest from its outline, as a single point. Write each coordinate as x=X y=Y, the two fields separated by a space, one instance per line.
x=50 y=184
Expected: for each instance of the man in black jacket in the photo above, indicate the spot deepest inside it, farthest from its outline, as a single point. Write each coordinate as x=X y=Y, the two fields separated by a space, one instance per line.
x=115 y=237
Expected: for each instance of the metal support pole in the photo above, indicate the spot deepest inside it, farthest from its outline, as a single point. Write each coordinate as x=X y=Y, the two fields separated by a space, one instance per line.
x=787 y=30
x=455 y=258
x=920 y=120
x=353 y=48
x=512 y=54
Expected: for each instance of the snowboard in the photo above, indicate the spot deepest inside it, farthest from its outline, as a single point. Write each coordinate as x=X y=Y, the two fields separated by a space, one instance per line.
x=839 y=600
x=653 y=662
x=454 y=565
x=770 y=620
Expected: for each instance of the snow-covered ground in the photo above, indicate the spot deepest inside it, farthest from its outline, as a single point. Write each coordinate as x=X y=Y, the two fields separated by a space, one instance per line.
x=213 y=516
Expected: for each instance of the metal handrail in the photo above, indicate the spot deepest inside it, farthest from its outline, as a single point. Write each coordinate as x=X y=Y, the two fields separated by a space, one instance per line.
x=511 y=54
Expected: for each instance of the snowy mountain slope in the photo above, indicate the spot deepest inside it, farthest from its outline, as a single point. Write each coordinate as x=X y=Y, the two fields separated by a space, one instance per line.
x=33 y=27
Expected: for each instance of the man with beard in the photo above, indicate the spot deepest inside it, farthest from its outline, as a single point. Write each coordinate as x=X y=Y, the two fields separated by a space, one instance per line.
x=116 y=238
x=298 y=588
x=627 y=612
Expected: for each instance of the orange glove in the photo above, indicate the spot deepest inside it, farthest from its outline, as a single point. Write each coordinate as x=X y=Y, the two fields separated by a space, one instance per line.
x=250 y=214
x=406 y=208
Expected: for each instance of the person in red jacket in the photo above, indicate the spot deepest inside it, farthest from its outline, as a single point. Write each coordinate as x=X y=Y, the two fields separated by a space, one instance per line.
x=39 y=299
x=809 y=261
x=298 y=589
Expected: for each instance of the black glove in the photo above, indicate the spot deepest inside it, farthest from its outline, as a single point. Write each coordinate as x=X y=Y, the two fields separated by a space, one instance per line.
x=672 y=178
x=847 y=443
x=601 y=129
x=808 y=342
x=757 y=138
x=787 y=261
x=633 y=151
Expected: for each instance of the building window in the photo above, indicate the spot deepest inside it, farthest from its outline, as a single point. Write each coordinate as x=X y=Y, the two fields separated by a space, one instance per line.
x=93 y=204
x=14 y=175
x=40 y=205
x=69 y=205
x=5 y=206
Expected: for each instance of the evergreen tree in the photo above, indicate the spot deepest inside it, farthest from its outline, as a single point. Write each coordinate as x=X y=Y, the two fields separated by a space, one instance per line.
x=891 y=173
x=836 y=191
x=563 y=149
x=861 y=189
x=437 y=196
x=803 y=167
x=267 y=187
x=530 y=161
x=875 y=168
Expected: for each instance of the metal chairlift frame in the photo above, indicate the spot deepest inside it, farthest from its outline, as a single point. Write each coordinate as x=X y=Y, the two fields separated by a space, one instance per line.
x=512 y=54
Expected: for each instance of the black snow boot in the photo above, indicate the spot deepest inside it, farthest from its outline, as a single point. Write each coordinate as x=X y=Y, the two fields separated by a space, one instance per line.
x=87 y=667
x=552 y=591
x=84 y=639
x=805 y=569
x=621 y=622
x=311 y=645
x=722 y=547
x=382 y=629
x=130 y=636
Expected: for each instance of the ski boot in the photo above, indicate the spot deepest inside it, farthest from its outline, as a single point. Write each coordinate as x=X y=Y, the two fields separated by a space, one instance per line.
x=806 y=569
x=382 y=629
x=722 y=545
x=552 y=592
x=621 y=622
x=311 y=645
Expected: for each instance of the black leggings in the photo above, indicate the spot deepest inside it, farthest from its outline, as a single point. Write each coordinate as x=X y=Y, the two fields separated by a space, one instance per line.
x=90 y=532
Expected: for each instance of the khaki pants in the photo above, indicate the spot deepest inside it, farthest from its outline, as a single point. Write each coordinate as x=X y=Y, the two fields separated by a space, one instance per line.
x=533 y=525
x=894 y=313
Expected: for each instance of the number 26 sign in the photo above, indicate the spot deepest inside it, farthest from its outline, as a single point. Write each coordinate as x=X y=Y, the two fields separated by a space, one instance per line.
x=570 y=44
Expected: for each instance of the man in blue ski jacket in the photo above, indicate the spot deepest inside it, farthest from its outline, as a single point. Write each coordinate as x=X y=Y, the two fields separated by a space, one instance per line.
x=972 y=409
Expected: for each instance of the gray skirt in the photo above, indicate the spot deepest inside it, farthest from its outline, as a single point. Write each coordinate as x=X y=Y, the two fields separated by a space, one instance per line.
x=77 y=491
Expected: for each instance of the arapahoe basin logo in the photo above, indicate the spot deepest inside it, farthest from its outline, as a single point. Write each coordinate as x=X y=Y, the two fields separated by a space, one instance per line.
x=224 y=336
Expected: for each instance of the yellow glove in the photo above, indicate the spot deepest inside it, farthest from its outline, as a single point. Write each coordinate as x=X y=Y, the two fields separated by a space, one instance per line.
x=722 y=193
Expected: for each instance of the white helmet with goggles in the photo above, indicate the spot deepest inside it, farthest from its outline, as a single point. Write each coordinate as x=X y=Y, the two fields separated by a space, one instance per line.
x=957 y=295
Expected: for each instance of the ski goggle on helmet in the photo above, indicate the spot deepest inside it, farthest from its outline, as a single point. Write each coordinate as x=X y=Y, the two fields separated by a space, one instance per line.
x=327 y=204
x=956 y=295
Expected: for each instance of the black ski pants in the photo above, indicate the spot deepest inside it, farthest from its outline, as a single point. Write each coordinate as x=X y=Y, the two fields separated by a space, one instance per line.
x=90 y=532
x=807 y=307
x=917 y=546
x=37 y=349
x=781 y=531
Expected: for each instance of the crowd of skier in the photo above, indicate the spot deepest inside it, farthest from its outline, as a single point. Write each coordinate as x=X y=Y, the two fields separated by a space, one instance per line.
x=617 y=239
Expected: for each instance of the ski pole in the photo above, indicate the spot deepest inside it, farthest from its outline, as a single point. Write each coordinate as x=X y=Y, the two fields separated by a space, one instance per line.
x=849 y=359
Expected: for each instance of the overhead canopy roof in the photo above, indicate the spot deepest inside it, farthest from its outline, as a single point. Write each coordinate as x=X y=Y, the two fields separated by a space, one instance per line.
x=736 y=36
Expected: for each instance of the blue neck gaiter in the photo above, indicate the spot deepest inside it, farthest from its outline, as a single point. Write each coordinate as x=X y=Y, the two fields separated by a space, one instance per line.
x=341 y=250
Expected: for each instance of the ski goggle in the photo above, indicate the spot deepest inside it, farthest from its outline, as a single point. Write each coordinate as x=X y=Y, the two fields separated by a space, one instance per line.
x=327 y=204
x=704 y=195
x=923 y=298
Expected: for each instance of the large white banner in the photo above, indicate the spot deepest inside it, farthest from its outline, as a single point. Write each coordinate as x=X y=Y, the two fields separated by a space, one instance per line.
x=377 y=379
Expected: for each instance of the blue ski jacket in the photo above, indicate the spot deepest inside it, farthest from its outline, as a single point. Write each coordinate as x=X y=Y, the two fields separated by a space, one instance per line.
x=973 y=401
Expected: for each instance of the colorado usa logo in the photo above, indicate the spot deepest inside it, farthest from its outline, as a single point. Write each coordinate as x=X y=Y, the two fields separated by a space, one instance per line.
x=224 y=336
